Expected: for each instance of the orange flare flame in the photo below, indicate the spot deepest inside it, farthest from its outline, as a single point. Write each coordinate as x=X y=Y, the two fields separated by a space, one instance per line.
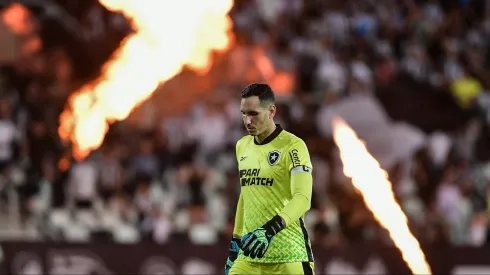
x=168 y=36
x=372 y=182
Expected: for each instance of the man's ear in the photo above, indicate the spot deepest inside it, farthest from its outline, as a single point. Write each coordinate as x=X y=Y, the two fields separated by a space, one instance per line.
x=272 y=111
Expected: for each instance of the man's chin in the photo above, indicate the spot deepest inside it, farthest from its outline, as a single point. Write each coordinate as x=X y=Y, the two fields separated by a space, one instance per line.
x=252 y=132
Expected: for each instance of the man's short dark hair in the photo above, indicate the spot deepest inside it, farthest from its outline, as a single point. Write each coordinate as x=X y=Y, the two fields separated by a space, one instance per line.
x=260 y=90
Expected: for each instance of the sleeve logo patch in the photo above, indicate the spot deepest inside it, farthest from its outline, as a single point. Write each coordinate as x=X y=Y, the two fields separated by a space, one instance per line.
x=273 y=157
x=295 y=158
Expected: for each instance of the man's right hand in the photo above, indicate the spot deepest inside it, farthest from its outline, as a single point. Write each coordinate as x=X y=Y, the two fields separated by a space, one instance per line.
x=234 y=249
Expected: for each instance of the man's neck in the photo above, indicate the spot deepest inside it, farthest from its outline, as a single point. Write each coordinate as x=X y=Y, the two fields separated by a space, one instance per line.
x=260 y=138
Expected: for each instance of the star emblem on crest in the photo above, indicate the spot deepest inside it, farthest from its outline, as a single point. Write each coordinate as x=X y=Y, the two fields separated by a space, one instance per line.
x=273 y=157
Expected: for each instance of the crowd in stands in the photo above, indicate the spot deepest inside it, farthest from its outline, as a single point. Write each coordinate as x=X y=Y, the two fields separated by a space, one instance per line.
x=179 y=179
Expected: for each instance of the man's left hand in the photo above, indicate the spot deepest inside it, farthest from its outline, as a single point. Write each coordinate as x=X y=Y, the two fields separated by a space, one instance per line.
x=256 y=243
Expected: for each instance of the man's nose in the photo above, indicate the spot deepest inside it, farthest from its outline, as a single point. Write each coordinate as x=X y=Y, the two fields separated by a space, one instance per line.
x=247 y=120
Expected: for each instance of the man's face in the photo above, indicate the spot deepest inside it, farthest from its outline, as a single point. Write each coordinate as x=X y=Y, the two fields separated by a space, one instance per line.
x=256 y=115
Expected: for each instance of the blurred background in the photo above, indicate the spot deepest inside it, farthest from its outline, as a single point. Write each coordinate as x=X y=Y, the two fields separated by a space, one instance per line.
x=410 y=76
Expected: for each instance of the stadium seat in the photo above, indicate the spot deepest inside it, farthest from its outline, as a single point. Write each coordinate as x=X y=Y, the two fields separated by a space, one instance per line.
x=109 y=220
x=125 y=234
x=76 y=232
x=181 y=221
x=87 y=218
x=203 y=234
x=59 y=218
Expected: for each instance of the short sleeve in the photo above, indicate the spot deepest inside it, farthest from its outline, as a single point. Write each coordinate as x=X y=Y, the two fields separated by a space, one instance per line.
x=299 y=157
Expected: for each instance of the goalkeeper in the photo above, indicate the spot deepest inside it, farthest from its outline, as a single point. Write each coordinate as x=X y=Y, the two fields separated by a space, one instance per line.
x=274 y=165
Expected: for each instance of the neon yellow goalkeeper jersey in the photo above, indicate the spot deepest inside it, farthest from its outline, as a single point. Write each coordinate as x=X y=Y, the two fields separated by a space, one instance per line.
x=265 y=172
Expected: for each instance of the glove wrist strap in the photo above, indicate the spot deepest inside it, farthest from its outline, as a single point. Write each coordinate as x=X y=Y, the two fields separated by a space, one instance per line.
x=274 y=226
x=234 y=248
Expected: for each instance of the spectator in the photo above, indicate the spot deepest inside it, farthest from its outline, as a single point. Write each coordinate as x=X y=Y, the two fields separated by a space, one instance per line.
x=145 y=161
x=10 y=140
x=110 y=174
x=466 y=89
x=82 y=185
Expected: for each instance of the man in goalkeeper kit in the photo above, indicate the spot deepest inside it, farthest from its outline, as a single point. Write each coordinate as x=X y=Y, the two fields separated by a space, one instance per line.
x=275 y=169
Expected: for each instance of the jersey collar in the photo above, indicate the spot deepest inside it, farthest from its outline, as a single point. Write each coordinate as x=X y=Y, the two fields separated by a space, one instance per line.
x=271 y=137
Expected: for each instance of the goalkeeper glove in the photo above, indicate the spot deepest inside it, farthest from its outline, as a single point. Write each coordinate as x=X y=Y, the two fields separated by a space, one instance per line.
x=256 y=243
x=234 y=249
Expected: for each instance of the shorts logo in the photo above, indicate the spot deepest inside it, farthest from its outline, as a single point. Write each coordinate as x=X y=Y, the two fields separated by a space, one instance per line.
x=273 y=157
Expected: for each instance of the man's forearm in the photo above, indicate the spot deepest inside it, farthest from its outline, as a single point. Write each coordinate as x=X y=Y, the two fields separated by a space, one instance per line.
x=301 y=188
